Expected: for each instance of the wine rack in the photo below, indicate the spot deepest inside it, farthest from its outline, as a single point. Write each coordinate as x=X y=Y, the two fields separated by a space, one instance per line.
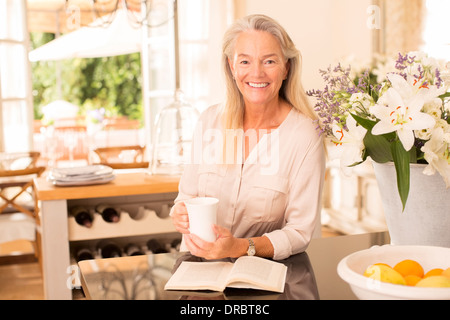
x=140 y=221
x=144 y=202
x=167 y=244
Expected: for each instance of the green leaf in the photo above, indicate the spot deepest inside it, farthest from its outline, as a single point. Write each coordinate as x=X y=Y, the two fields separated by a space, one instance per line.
x=413 y=155
x=378 y=148
x=402 y=168
x=365 y=123
x=445 y=95
x=369 y=124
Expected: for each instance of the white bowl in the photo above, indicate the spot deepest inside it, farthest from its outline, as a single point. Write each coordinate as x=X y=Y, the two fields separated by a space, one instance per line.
x=352 y=267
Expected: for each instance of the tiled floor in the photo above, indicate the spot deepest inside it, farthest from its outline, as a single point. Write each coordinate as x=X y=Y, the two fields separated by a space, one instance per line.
x=21 y=278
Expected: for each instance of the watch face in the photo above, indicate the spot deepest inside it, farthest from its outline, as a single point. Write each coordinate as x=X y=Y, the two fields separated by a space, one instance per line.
x=251 y=248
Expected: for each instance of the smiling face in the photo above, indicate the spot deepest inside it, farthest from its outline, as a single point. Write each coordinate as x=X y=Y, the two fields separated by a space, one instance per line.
x=259 y=67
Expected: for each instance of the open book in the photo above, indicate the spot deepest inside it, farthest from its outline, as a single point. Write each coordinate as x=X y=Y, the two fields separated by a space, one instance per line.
x=245 y=272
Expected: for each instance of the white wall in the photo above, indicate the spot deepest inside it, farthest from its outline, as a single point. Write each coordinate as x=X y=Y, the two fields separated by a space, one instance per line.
x=325 y=31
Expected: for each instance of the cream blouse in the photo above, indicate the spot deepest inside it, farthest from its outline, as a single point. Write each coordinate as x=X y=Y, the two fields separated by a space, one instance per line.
x=275 y=192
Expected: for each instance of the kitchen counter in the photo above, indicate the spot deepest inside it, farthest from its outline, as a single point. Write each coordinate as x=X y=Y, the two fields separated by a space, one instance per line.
x=58 y=232
x=311 y=275
x=131 y=183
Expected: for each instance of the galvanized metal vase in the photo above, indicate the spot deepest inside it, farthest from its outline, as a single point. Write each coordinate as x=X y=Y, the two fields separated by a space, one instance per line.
x=426 y=218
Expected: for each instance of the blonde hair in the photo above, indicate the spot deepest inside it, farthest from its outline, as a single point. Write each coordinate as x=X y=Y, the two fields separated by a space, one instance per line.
x=291 y=90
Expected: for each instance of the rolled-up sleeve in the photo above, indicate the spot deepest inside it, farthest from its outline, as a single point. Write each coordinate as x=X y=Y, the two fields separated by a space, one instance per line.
x=303 y=204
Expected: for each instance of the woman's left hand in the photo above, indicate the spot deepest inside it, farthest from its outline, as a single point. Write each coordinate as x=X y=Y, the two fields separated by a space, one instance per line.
x=226 y=246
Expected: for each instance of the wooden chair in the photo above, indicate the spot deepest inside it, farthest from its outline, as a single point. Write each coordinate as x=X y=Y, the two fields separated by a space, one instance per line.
x=113 y=126
x=18 y=178
x=17 y=172
x=122 y=157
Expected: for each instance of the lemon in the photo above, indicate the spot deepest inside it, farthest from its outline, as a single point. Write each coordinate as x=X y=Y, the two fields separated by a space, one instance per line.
x=435 y=282
x=384 y=273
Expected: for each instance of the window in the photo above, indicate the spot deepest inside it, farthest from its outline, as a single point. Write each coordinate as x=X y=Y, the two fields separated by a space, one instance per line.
x=436 y=32
x=16 y=109
x=202 y=24
x=201 y=27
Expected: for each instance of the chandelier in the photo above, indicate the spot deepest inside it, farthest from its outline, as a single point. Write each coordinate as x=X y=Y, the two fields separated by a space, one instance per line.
x=63 y=16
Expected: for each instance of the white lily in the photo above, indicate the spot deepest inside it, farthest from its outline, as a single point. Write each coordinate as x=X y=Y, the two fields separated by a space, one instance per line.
x=437 y=154
x=413 y=86
x=401 y=113
x=432 y=108
x=349 y=143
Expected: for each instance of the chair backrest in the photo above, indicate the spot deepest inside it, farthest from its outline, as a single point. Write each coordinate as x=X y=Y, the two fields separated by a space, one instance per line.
x=22 y=172
x=18 y=170
x=19 y=178
x=122 y=157
x=18 y=160
x=115 y=127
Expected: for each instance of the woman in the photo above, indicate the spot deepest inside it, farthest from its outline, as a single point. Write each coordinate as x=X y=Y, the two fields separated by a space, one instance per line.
x=268 y=168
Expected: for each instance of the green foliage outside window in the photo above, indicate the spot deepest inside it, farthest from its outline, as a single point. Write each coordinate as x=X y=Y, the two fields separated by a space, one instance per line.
x=112 y=83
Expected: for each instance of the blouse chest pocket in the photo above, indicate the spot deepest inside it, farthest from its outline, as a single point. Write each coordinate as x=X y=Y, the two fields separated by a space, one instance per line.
x=210 y=180
x=267 y=198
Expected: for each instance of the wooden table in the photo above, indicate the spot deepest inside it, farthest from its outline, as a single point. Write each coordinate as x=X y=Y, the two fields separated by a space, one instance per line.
x=57 y=230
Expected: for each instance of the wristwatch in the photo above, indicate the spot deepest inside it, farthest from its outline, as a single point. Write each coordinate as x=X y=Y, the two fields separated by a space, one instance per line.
x=251 y=248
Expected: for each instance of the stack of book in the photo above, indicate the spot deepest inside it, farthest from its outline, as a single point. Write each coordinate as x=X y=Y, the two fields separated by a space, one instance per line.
x=78 y=176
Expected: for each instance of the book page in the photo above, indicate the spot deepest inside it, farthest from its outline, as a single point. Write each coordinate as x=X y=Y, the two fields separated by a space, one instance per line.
x=258 y=273
x=200 y=276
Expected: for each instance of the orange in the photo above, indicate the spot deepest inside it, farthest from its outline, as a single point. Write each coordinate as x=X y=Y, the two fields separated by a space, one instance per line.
x=409 y=267
x=412 y=279
x=446 y=273
x=434 y=272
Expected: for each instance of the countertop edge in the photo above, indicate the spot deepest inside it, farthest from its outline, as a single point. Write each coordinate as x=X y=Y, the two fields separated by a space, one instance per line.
x=124 y=184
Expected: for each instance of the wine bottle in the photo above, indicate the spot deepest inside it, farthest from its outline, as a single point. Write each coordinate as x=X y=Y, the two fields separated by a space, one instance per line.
x=133 y=249
x=82 y=216
x=176 y=243
x=155 y=246
x=108 y=213
x=109 y=249
x=83 y=254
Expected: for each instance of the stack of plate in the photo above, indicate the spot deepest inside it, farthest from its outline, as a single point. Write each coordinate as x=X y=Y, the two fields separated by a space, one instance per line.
x=81 y=176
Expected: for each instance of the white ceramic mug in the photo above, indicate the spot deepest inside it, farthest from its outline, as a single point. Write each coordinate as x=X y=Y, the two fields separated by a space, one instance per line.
x=202 y=214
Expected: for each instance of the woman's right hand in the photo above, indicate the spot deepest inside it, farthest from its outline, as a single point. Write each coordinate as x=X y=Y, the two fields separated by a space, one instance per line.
x=180 y=218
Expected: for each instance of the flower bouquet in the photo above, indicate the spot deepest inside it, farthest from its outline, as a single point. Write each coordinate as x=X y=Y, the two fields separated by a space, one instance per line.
x=400 y=116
